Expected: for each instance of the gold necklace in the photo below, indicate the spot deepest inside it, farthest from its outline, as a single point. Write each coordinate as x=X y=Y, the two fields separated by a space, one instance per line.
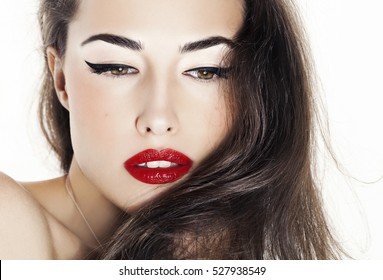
x=69 y=190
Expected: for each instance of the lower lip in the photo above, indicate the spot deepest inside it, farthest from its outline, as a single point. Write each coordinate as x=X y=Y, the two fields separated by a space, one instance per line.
x=158 y=175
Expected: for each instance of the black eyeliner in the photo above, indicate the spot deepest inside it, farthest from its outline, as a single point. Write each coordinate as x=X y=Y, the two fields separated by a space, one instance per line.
x=102 y=68
x=219 y=71
x=223 y=72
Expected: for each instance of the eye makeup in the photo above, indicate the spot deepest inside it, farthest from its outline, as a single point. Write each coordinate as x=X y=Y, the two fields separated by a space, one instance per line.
x=204 y=74
x=113 y=69
x=208 y=73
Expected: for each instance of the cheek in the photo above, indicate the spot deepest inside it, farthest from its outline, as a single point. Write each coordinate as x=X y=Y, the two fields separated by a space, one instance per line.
x=217 y=122
x=91 y=108
x=208 y=122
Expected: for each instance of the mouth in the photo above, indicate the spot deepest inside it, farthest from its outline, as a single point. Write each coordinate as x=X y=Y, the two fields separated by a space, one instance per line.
x=158 y=167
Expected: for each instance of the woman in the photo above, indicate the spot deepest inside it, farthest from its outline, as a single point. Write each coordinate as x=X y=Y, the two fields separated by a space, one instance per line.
x=185 y=130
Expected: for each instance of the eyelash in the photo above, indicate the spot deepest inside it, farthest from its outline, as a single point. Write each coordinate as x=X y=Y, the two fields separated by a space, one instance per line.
x=104 y=68
x=123 y=70
x=216 y=72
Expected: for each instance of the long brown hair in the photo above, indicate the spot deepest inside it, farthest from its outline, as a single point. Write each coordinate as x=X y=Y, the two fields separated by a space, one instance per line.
x=254 y=196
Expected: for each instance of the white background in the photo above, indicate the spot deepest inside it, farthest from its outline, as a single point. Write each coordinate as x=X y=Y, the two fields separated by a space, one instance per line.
x=347 y=44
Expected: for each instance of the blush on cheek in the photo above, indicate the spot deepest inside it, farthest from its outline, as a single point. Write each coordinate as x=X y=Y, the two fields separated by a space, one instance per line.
x=89 y=106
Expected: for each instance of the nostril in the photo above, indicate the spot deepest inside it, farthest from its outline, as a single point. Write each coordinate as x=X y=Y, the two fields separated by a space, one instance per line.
x=159 y=130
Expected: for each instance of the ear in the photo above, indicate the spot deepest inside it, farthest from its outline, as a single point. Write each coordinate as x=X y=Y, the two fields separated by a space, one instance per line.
x=55 y=65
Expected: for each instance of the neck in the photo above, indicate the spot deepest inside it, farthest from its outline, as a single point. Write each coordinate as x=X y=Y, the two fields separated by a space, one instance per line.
x=100 y=213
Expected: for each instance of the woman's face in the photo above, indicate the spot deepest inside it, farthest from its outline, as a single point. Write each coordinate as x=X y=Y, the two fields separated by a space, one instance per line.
x=142 y=83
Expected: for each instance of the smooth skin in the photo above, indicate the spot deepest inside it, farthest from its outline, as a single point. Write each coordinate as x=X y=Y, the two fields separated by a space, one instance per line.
x=156 y=102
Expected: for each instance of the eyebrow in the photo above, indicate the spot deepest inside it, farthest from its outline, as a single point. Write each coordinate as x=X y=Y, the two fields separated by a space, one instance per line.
x=206 y=43
x=137 y=45
x=115 y=40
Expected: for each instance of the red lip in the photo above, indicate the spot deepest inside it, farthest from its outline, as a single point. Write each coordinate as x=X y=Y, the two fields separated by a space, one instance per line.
x=181 y=165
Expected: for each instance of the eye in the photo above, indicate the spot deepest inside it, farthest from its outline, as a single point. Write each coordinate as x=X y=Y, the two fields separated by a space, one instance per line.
x=113 y=69
x=121 y=71
x=207 y=73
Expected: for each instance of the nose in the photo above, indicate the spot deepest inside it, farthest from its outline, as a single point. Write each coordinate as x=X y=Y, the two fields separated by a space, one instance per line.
x=158 y=117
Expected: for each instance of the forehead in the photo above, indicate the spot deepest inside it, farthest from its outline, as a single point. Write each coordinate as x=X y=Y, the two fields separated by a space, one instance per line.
x=160 y=19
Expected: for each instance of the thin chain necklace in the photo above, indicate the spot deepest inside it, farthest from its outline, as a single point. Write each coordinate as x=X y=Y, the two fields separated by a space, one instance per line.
x=69 y=190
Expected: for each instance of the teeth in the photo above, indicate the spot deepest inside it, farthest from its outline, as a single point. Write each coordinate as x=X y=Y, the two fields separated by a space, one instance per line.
x=153 y=164
x=158 y=164
x=164 y=164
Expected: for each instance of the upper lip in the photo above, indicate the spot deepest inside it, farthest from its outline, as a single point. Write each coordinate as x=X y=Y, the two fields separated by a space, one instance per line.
x=149 y=155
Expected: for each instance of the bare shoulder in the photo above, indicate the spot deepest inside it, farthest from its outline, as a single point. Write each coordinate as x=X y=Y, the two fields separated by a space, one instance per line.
x=24 y=231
